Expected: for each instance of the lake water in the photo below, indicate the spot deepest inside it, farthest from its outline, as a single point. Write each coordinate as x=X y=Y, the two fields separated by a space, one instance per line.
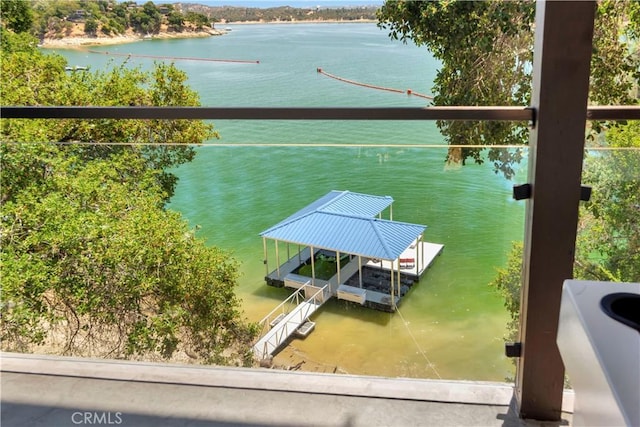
x=451 y=324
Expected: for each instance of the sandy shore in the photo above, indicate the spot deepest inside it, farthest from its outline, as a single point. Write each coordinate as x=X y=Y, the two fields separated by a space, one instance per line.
x=291 y=358
x=74 y=42
x=79 y=41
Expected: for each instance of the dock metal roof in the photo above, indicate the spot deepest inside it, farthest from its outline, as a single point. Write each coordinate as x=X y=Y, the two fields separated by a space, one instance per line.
x=345 y=222
x=346 y=202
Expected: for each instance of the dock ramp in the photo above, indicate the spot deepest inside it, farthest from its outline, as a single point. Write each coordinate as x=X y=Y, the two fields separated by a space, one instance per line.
x=286 y=318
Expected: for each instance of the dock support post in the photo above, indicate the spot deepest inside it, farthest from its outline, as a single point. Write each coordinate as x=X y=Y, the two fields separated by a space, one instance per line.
x=338 y=266
x=398 y=277
x=313 y=266
x=393 y=300
x=418 y=255
x=360 y=270
x=266 y=259
x=277 y=260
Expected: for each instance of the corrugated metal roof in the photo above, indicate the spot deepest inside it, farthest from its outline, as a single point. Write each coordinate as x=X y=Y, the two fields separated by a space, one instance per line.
x=345 y=202
x=356 y=204
x=330 y=224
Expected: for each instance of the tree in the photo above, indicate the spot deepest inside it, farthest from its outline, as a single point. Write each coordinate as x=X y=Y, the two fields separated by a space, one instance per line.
x=175 y=21
x=16 y=15
x=92 y=262
x=91 y=26
x=91 y=256
x=507 y=284
x=197 y=19
x=609 y=233
x=485 y=49
x=608 y=241
x=50 y=85
x=148 y=19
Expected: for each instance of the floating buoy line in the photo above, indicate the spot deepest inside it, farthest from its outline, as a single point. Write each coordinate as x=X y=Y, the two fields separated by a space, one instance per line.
x=370 y=86
x=174 y=58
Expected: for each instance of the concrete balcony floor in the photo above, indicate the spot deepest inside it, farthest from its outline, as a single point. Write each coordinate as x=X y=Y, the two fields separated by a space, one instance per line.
x=61 y=391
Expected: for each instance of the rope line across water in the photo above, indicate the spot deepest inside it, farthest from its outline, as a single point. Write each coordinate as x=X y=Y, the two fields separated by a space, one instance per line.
x=424 y=354
x=174 y=58
x=370 y=86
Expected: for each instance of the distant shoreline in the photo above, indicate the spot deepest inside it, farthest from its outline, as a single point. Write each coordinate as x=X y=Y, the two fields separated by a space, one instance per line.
x=318 y=21
x=76 y=42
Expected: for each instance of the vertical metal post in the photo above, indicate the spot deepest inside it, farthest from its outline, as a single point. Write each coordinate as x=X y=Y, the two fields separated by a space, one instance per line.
x=562 y=55
x=266 y=259
x=418 y=255
x=338 y=265
x=277 y=259
x=398 y=277
x=313 y=266
x=360 y=270
x=393 y=300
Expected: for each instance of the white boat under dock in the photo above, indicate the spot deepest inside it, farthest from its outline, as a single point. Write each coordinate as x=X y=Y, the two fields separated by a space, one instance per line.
x=415 y=260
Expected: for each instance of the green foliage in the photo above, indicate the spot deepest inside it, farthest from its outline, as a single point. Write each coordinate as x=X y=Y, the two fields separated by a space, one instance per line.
x=147 y=19
x=609 y=239
x=507 y=283
x=91 y=253
x=198 y=19
x=90 y=258
x=33 y=78
x=485 y=49
x=91 y=26
x=175 y=20
x=485 y=53
x=280 y=13
x=52 y=17
x=16 y=15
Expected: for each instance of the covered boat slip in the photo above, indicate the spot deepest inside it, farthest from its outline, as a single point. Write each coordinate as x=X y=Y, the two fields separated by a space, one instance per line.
x=362 y=280
x=414 y=261
x=375 y=260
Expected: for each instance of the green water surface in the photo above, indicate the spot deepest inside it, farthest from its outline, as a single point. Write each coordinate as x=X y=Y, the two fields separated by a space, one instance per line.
x=451 y=324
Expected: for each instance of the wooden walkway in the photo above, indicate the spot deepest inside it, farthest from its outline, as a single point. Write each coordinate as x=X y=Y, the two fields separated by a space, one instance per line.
x=284 y=324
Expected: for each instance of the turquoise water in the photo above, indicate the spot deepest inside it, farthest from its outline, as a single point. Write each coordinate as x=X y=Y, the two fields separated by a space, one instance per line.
x=451 y=324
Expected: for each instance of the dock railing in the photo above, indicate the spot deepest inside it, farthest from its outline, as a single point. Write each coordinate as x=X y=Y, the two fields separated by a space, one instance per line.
x=283 y=308
x=289 y=314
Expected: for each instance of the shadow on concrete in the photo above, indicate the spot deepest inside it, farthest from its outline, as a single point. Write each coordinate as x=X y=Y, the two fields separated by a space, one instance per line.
x=15 y=414
x=511 y=418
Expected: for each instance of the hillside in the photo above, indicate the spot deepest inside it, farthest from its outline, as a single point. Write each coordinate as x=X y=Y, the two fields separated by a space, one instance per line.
x=77 y=22
x=227 y=14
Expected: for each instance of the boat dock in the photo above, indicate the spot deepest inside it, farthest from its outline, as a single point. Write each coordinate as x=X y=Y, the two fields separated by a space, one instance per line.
x=342 y=249
x=362 y=283
x=367 y=284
